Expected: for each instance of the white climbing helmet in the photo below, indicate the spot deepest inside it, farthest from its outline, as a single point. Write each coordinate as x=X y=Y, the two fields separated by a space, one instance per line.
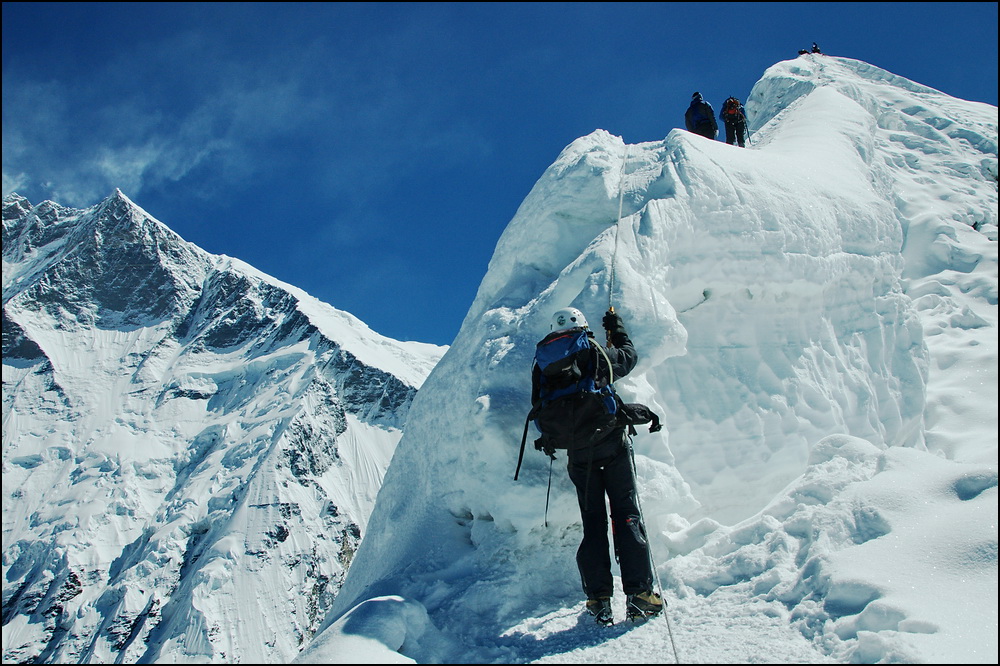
x=568 y=318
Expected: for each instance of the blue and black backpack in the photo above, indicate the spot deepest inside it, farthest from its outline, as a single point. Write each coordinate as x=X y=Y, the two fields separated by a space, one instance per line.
x=576 y=405
x=701 y=114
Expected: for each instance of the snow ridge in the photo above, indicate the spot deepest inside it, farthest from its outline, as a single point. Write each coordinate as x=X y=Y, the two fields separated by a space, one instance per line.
x=793 y=305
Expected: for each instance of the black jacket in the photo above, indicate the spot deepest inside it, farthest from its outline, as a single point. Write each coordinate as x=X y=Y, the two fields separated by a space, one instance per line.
x=700 y=114
x=623 y=359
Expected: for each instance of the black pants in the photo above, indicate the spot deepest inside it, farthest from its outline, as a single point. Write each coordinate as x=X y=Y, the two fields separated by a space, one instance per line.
x=736 y=132
x=611 y=476
x=706 y=130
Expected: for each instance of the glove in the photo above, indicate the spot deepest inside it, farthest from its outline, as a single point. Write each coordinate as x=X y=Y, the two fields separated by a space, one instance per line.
x=612 y=322
x=615 y=328
x=541 y=444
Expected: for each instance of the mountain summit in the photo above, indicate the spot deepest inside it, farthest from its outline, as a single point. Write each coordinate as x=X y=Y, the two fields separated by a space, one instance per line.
x=815 y=317
x=185 y=438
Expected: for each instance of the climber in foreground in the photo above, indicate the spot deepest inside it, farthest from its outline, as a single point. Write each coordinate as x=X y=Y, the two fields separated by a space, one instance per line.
x=575 y=408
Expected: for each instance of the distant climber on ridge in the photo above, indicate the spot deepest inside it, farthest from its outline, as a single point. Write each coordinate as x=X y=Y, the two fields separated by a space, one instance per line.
x=700 y=118
x=734 y=117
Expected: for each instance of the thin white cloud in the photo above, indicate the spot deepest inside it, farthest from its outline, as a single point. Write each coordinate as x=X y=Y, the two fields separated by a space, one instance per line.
x=346 y=114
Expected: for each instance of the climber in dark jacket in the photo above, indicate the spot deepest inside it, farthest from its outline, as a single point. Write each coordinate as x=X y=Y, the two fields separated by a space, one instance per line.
x=700 y=118
x=602 y=467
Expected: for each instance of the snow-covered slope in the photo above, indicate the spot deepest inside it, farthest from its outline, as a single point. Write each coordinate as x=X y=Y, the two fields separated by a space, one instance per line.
x=191 y=449
x=816 y=322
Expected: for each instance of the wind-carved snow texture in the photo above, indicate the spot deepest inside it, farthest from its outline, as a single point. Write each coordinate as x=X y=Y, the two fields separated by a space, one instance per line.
x=789 y=303
x=191 y=448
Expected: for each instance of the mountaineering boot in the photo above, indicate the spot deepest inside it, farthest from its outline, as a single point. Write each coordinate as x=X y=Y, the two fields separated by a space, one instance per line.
x=601 y=610
x=643 y=605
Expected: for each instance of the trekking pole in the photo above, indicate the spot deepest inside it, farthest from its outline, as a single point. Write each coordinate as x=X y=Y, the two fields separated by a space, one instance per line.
x=649 y=551
x=547 y=490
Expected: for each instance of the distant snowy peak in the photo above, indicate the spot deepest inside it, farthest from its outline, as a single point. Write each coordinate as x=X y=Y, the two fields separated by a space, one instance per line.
x=183 y=436
x=113 y=264
x=109 y=265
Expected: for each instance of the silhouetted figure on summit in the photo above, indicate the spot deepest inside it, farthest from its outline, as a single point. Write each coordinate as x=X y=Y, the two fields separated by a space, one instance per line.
x=700 y=118
x=734 y=117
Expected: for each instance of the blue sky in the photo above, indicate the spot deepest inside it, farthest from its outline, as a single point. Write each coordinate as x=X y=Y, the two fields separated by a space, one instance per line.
x=373 y=153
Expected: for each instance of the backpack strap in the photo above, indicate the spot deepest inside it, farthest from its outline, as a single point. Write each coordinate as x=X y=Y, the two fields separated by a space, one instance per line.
x=611 y=370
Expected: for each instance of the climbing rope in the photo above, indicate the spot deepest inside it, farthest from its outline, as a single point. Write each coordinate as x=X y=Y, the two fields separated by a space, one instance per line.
x=611 y=308
x=649 y=553
x=614 y=255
